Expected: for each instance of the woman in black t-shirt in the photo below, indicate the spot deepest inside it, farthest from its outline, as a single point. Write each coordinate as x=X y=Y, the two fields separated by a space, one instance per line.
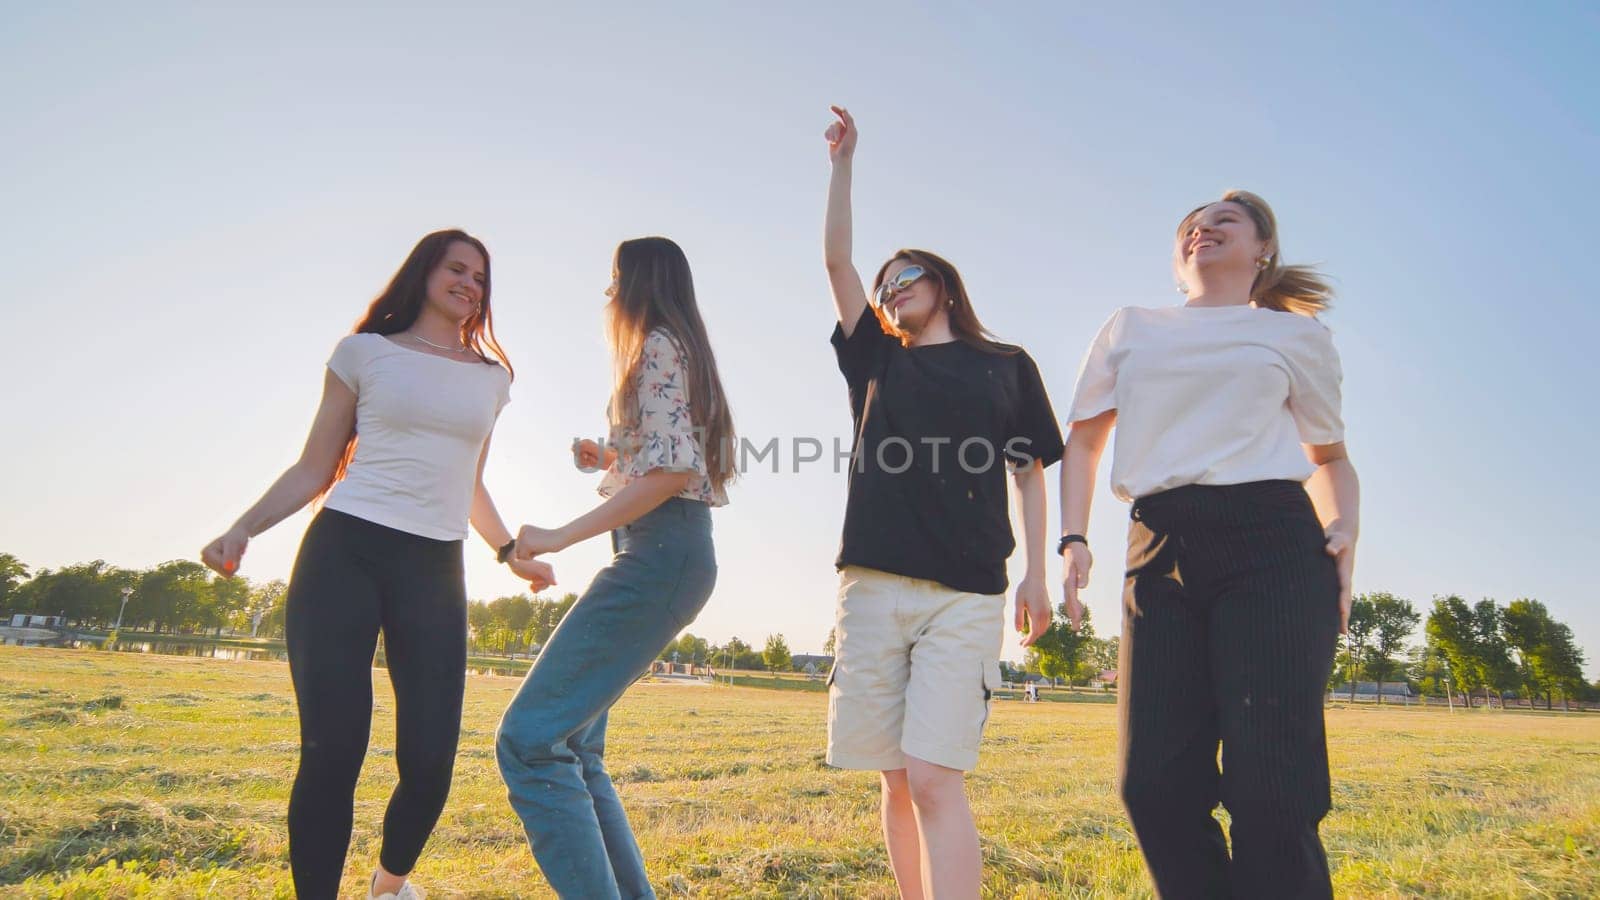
x=942 y=414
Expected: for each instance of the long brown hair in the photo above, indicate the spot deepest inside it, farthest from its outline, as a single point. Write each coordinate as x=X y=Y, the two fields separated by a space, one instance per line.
x=656 y=290
x=951 y=292
x=1296 y=289
x=398 y=305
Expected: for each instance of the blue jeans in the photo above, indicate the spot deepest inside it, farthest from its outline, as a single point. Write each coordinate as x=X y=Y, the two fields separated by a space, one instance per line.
x=551 y=740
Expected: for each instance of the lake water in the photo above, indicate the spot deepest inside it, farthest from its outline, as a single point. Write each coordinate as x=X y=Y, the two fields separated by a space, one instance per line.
x=217 y=651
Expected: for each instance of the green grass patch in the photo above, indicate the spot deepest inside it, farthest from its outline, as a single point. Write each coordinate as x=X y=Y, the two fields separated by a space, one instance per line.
x=126 y=775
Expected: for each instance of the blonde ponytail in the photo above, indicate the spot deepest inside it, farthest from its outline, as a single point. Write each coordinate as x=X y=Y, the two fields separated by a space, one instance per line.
x=1296 y=289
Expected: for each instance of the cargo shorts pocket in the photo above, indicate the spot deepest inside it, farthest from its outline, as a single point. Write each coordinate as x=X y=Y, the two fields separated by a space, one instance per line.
x=991 y=683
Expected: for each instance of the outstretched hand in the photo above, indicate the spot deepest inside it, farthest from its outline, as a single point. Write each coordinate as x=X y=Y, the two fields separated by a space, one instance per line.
x=841 y=135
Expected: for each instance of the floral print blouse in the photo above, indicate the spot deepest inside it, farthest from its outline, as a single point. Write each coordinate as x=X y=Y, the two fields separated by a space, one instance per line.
x=663 y=436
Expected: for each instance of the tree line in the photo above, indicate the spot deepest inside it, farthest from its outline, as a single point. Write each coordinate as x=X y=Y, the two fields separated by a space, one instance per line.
x=184 y=597
x=1484 y=649
x=180 y=596
x=1518 y=650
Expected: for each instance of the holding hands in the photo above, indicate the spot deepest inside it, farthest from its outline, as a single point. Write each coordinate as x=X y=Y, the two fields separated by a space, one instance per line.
x=533 y=540
x=537 y=573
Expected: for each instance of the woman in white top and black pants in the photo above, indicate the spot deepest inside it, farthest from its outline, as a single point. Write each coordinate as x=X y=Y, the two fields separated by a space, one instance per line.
x=1230 y=446
x=397 y=448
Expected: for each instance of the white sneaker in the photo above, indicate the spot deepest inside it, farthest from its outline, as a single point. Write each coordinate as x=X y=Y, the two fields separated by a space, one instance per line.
x=408 y=891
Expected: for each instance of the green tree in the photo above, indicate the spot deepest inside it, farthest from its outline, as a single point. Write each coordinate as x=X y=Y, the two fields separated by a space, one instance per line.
x=230 y=602
x=776 y=656
x=1563 y=662
x=1358 y=633
x=270 y=602
x=511 y=617
x=736 y=654
x=1060 y=651
x=1103 y=653
x=1451 y=629
x=1393 y=621
x=12 y=575
x=1498 y=671
x=693 y=650
x=84 y=592
x=479 y=621
x=832 y=642
x=1426 y=667
x=519 y=614
x=547 y=614
x=171 y=596
x=1526 y=625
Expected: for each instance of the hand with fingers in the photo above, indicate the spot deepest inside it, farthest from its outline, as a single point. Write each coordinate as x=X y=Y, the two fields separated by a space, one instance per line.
x=841 y=135
x=1341 y=546
x=589 y=456
x=532 y=541
x=1033 y=610
x=1076 y=578
x=537 y=573
x=223 y=554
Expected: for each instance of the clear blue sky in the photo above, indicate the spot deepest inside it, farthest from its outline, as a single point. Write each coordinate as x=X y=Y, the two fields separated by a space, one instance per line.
x=197 y=204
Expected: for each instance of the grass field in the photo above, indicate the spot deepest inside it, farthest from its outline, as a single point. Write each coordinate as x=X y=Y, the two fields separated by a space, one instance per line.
x=124 y=775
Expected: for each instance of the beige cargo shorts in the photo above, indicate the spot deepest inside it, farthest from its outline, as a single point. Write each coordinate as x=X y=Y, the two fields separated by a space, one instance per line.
x=915 y=666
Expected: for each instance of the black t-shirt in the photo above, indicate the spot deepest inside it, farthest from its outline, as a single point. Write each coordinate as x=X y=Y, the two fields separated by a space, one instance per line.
x=934 y=429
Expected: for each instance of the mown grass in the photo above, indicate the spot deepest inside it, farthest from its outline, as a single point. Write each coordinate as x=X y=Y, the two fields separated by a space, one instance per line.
x=125 y=775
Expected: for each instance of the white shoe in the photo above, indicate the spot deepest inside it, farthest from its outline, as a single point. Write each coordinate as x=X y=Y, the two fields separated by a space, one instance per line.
x=408 y=891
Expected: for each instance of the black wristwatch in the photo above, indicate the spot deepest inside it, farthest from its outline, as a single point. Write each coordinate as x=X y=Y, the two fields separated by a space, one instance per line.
x=504 y=553
x=1066 y=539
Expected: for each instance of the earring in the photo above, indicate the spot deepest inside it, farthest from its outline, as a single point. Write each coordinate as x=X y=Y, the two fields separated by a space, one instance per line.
x=1263 y=262
x=1183 y=287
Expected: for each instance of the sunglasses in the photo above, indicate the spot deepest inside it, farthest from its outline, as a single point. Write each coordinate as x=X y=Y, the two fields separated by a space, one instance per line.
x=906 y=278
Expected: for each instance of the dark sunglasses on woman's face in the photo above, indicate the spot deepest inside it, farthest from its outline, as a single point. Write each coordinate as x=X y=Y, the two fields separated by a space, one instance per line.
x=904 y=279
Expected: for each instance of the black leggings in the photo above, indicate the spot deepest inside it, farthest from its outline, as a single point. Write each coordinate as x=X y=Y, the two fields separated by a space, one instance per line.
x=1232 y=614
x=352 y=578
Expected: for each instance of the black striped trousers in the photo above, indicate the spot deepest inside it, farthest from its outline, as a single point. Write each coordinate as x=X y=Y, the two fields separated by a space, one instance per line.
x=1230 y=623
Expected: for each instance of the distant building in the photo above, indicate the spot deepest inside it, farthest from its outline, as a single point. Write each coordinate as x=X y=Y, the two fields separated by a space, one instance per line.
x=28 y=620
x=1368 y=690
x=811 y=664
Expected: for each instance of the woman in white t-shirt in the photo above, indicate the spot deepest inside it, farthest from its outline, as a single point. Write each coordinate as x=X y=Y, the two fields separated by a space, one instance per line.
x=396 y=450
x=1230 y=445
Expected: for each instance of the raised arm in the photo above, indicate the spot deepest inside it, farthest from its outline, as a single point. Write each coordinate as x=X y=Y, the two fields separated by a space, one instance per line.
x=299 y=484
x=849 y=299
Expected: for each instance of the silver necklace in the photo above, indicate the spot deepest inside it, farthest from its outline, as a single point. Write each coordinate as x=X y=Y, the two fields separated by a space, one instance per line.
x=419 y=337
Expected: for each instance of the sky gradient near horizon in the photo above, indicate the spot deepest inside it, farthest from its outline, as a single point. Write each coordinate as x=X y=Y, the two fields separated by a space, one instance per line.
x=200 y=202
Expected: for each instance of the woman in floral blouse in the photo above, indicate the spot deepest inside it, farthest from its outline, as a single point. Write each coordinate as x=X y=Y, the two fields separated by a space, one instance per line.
x=669 y=461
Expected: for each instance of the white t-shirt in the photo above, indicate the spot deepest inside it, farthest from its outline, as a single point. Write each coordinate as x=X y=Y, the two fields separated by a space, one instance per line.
x=1210 y=395
x=421 y=421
